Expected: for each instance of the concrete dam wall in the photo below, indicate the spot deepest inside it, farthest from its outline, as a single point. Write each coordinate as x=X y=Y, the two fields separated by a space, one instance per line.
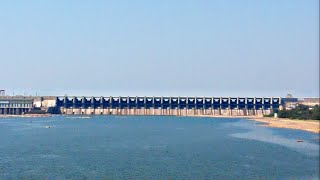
x=179 y=106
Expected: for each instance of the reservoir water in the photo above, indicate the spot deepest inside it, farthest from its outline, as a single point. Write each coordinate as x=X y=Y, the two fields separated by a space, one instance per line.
x=153 y=147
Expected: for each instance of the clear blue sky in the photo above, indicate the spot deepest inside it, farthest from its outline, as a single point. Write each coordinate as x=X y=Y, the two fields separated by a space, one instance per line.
x=173 y=47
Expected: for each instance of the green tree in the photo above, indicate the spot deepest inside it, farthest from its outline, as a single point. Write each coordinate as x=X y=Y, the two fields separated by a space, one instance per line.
x=300 y=112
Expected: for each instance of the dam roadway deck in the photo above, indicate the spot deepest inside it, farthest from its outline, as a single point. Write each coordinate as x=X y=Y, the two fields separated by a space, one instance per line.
x=180 y=106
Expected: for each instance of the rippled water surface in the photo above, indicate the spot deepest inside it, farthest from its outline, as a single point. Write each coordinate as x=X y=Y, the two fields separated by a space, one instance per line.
x=153 y=147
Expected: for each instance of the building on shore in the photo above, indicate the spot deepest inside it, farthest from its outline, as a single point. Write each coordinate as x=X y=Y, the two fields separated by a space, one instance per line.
x=15 y=104
x=291 y=102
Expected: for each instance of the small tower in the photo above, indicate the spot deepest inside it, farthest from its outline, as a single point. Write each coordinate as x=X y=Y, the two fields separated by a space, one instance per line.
x=289 y=96
x=2 y=92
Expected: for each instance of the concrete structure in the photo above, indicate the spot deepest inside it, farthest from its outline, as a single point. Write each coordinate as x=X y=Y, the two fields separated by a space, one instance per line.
x=15 y=104
x=309 y=101
x=44 y=102
x=291 y=103
x=180 y=106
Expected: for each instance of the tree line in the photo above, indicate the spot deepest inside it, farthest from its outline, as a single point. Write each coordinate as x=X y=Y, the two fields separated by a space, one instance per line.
x=303 y=112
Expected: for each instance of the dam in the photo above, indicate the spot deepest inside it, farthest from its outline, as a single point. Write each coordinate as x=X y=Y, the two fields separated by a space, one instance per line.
x=178 y=106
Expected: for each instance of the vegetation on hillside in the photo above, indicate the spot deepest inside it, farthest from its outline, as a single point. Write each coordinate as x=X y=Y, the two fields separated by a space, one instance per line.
x=300 y=112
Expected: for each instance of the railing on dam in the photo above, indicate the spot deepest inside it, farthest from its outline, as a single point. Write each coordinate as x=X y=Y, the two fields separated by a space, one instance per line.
x=168 y=105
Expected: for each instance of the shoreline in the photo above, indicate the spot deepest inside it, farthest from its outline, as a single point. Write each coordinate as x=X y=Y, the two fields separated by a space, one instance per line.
x=24 y=115
x=305 y=125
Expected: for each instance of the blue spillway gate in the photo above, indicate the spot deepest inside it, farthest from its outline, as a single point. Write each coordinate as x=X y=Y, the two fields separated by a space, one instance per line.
x=170 y=102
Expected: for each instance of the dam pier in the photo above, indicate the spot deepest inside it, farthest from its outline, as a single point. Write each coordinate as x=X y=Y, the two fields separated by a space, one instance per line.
x=178 y=106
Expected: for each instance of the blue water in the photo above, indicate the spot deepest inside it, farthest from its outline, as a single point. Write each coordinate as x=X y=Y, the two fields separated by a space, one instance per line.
x=153 y=147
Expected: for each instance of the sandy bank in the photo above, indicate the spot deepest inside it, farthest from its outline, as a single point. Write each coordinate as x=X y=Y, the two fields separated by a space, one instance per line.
x=306 y=125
